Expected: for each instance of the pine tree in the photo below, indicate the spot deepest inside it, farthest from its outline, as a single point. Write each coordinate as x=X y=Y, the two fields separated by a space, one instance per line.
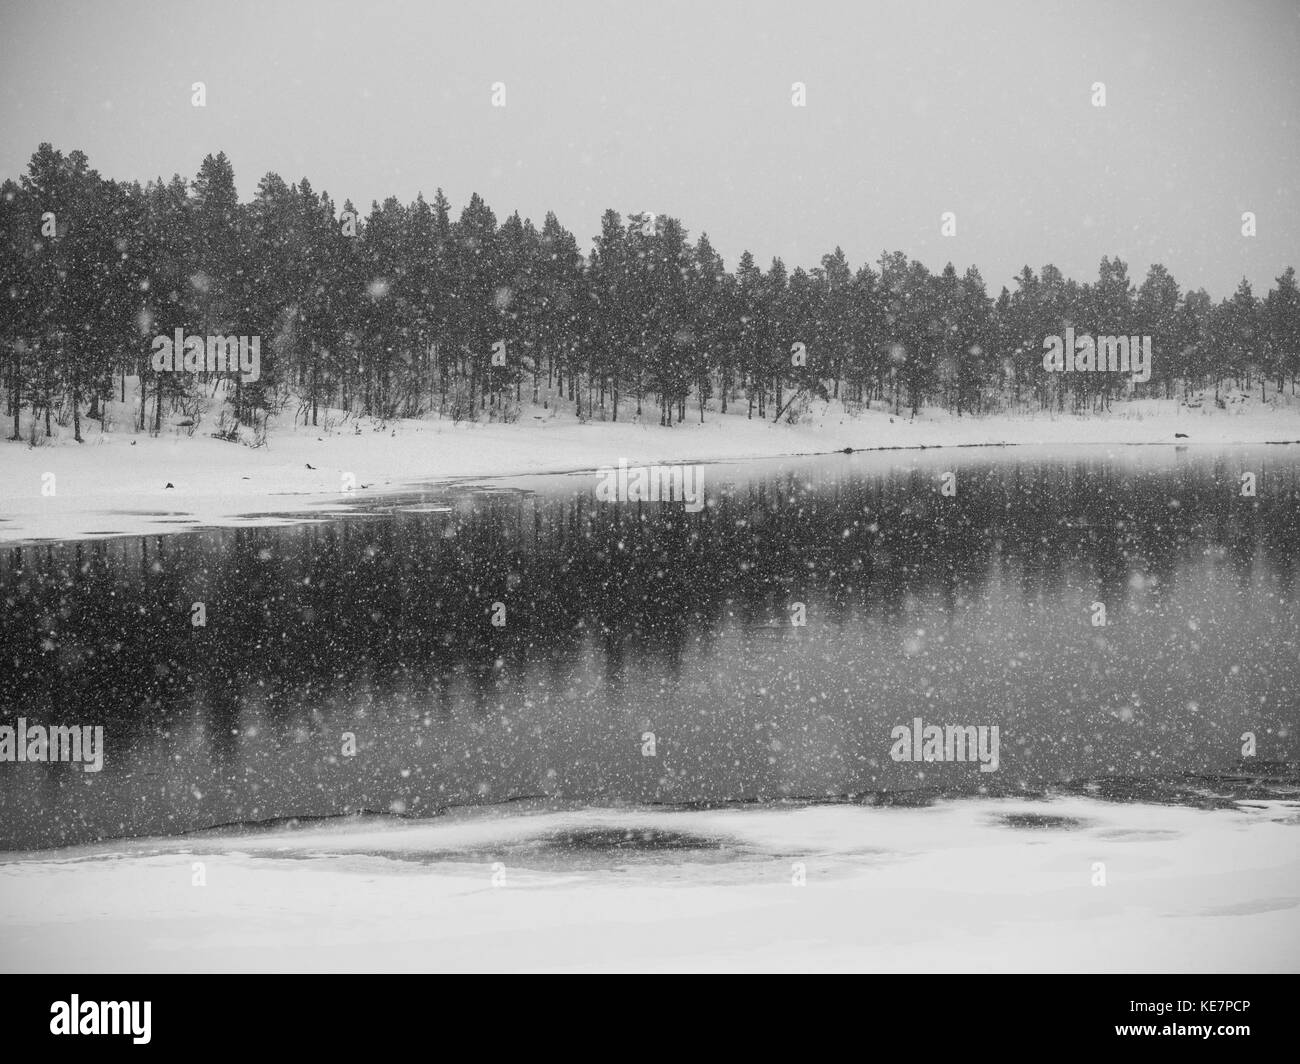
x=1282 y=327
x=19 y=310
x=474 y=284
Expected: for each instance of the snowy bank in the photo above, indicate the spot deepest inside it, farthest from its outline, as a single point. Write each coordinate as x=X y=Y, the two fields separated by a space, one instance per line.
x=117 y=483
x=967 y=885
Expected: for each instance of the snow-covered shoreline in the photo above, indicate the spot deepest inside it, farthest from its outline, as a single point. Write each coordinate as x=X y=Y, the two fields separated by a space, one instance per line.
x=963 y=885
x=116 y=483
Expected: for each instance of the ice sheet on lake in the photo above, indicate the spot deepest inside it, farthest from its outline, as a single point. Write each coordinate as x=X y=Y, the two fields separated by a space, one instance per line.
x=969 y=885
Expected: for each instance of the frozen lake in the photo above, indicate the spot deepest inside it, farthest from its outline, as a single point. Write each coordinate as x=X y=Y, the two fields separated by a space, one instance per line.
x=647 y=654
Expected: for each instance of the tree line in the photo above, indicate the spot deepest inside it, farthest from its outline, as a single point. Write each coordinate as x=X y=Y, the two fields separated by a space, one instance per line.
x=407 y=311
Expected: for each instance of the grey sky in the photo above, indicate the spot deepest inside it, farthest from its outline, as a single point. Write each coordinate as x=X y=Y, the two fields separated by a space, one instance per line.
x=913 y=109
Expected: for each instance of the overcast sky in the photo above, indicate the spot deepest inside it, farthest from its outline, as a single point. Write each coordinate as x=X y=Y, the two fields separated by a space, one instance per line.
x=913 y=109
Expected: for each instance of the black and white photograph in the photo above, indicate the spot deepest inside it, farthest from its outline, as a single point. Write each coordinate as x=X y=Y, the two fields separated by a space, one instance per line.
x=650 y=488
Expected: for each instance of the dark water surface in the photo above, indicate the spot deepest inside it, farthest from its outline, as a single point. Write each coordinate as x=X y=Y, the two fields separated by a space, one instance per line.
x=623 y=619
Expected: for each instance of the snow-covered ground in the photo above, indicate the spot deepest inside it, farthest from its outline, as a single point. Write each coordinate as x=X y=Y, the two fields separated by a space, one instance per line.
x=966 y=885
x=116 y=482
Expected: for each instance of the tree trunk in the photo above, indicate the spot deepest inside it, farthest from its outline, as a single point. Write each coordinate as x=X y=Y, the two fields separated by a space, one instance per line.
x=781 y=409
x=76 y=406
x=144 y=401
x=17 y=397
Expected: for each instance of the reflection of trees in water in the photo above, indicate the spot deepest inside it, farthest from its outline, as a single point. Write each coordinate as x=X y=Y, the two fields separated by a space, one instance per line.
x=376 y=621
x=298 y=614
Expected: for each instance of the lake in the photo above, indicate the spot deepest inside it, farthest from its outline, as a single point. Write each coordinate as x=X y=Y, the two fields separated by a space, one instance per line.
x=471 y=644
